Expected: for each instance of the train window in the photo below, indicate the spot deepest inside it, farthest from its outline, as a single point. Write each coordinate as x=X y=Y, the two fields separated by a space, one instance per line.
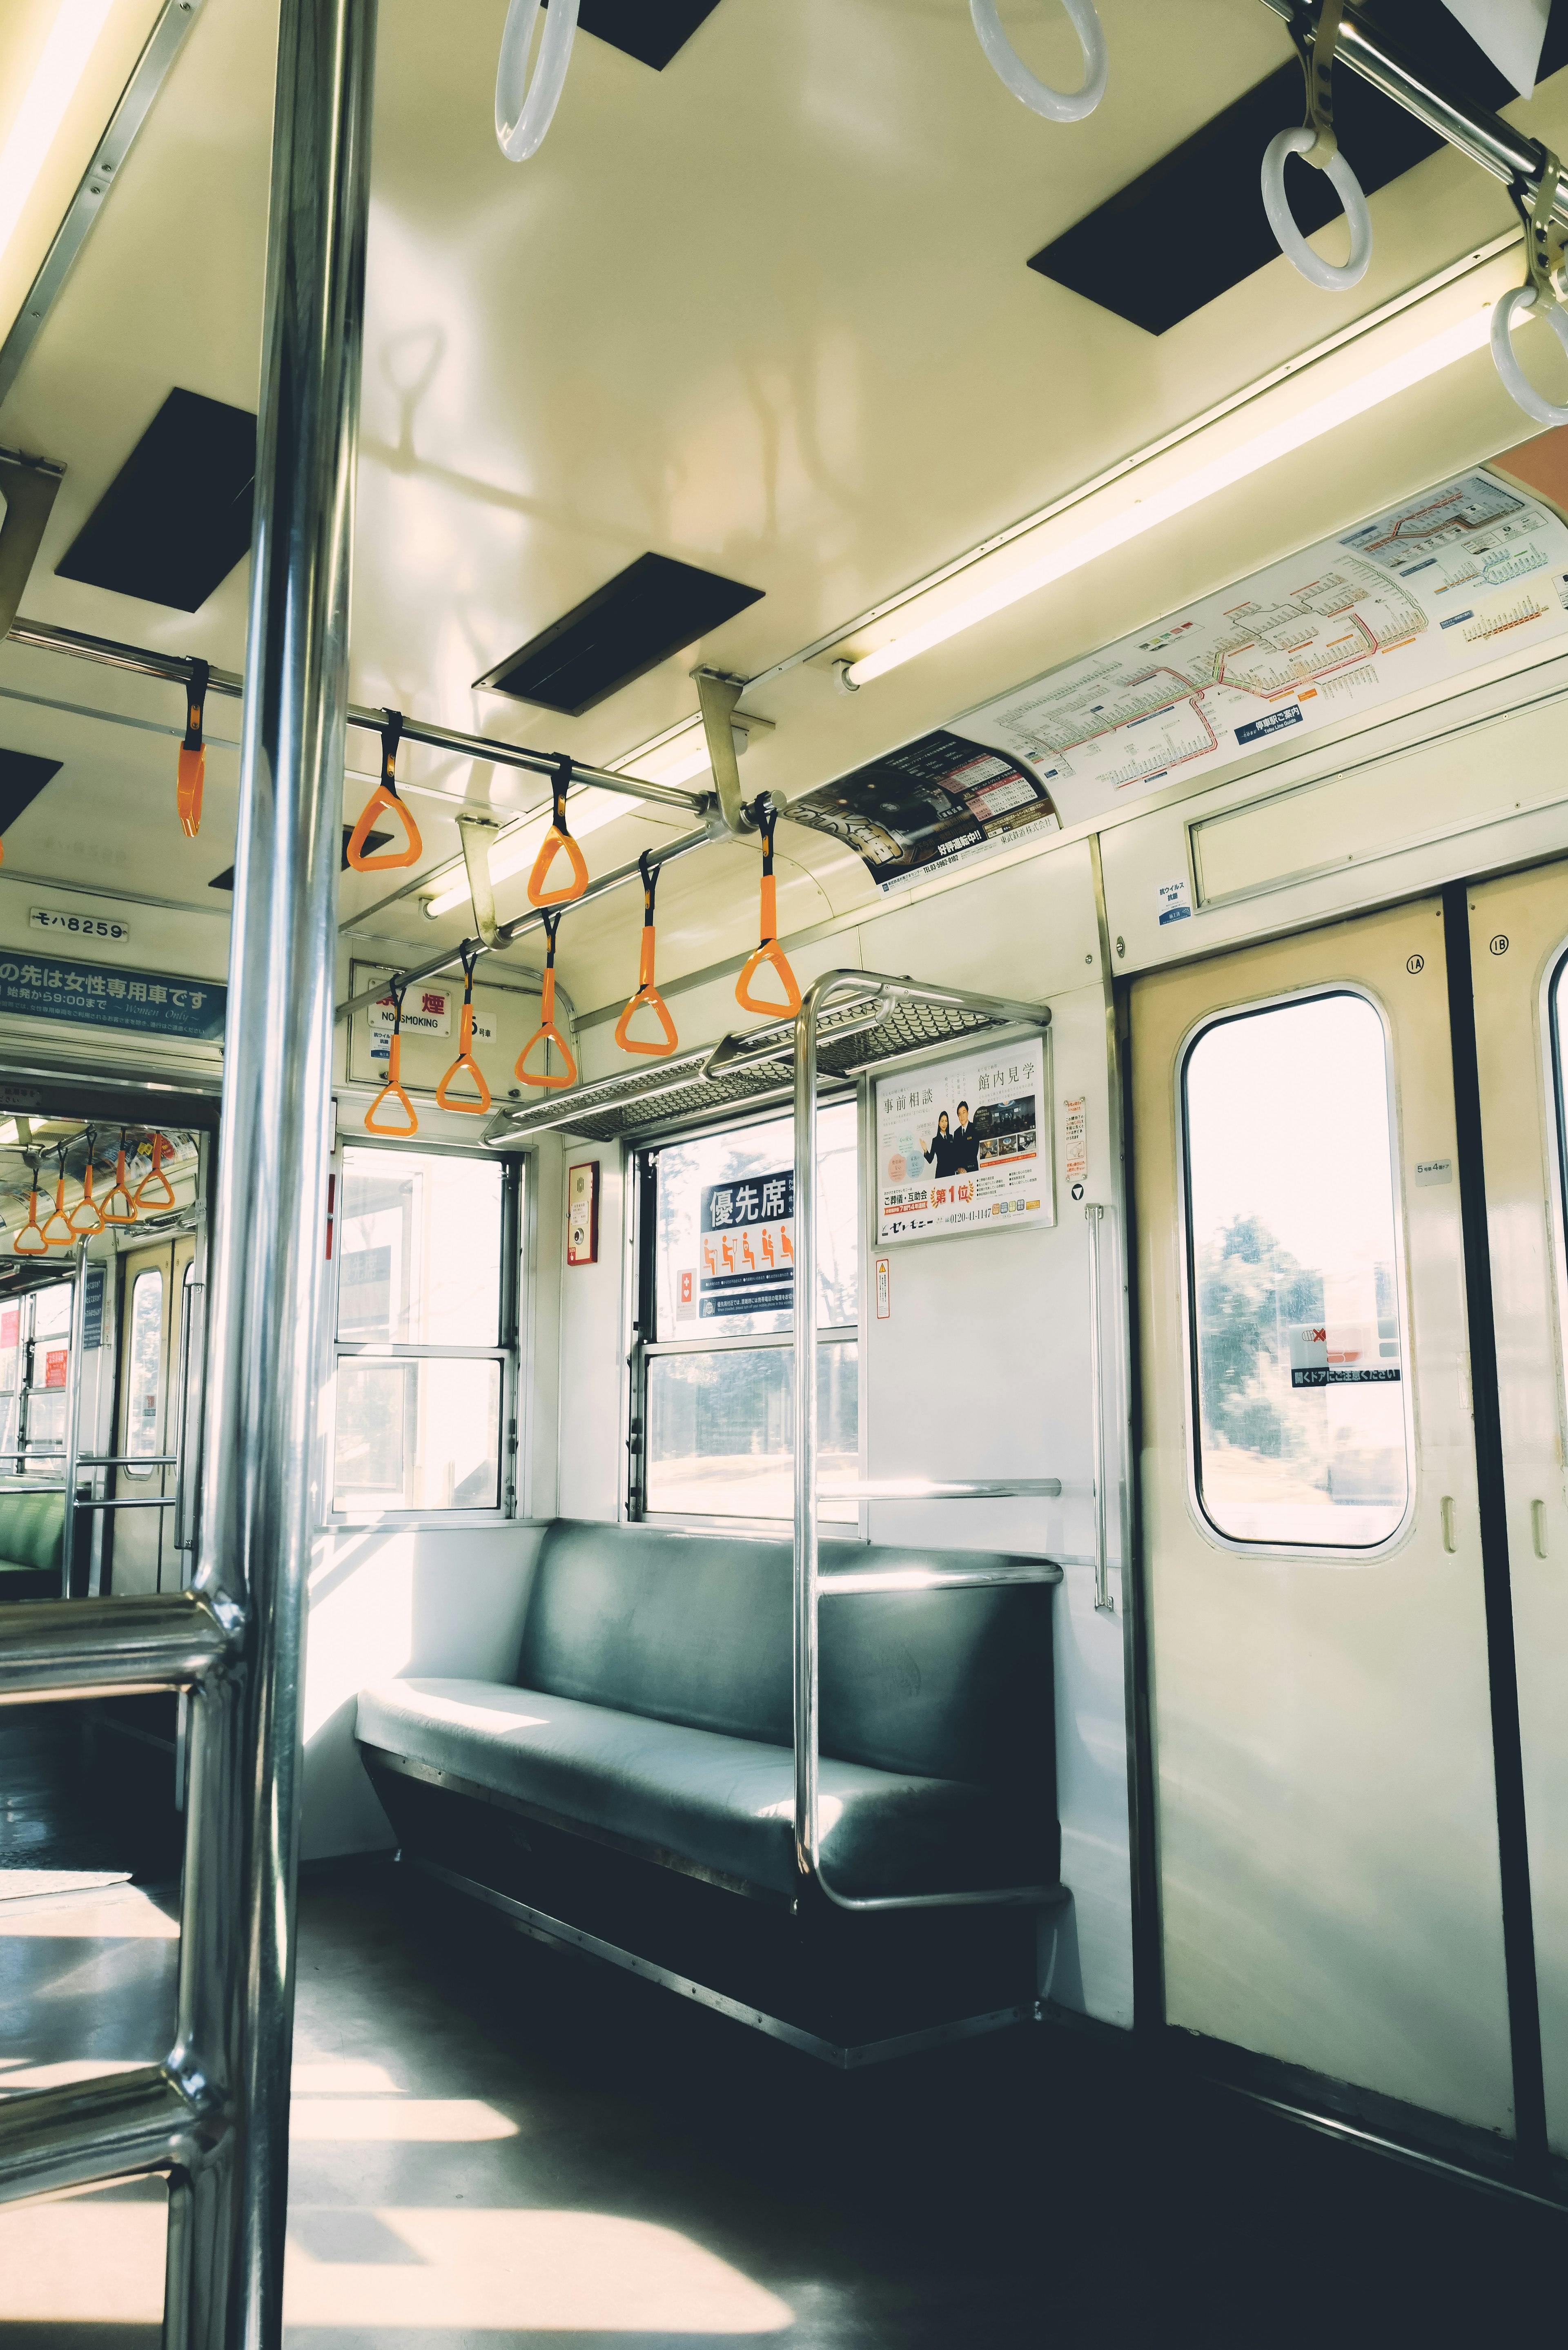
x=1302 y=1434
x=422 y=1367
x=146 y=1366
x=719 y=1412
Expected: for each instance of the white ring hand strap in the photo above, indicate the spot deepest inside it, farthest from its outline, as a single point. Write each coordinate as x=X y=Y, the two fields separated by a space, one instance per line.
x=1543 y=241
x=1317 y=143
x=524 y=112
x=1057 y=105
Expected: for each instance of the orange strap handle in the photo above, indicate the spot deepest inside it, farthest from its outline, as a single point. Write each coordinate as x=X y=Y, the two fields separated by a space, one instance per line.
x=193 y=752
x=156 y=1175
x=547 y=1031
x=39 y=1246
x=770 y=951
x=87 y=1205
x=111 y=1215
x=64 y=1237
x=393 y=1086
x=465 y=1059
x=554 y=840
x=646 y=990
x=383 y=798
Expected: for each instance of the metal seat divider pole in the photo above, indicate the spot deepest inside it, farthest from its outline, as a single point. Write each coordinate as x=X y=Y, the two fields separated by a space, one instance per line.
x=808 y=1586
x=73 y=1415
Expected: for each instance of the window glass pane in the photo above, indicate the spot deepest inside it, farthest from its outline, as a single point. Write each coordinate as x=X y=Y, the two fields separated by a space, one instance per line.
x=52 y=1311
x=146 y=1362
x=418 y=1434
x=421 y=1249
x=1294 y=1276
x=705 y=1264
x=721 y=1431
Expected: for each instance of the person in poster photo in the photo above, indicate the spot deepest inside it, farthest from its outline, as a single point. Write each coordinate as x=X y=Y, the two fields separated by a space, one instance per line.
x=968 y=1143
x=942 y=1153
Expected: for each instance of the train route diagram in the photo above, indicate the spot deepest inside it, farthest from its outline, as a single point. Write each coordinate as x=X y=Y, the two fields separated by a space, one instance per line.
x=1444 y=582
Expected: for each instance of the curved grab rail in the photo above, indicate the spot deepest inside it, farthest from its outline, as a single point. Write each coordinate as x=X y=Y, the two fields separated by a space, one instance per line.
x=646 y=993
x=1055 y=105
x=525 y=111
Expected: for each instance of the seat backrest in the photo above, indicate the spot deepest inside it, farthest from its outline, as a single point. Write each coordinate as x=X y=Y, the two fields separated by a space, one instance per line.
x=32 y=1529
x=696 y=1628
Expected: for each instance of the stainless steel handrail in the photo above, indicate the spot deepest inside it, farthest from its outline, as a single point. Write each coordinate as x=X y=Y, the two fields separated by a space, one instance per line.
x=100 y=1648
x=810 y=1584
x=937 y=1488
x=1486 y=139
x=73 y=1410
x=92 y=1503
x=936 y=1578
x=1093 y=1216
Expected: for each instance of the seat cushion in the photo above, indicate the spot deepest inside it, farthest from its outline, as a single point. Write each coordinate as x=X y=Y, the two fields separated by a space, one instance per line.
x=31 y=1529
x=697 y=1798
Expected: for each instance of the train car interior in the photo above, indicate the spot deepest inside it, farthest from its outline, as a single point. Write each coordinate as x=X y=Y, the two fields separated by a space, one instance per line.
x=784 y=1173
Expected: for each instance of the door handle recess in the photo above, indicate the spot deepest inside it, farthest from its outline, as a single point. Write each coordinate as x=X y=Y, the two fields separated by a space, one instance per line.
x=1538 y=1527
x=1450 y=1540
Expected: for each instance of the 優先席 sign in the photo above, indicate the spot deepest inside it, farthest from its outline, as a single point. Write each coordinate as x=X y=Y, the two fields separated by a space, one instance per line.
x=47 y=987
x=746 y=1235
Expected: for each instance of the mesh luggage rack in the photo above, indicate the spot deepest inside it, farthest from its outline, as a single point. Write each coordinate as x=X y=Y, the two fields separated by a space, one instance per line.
x=879 y=1024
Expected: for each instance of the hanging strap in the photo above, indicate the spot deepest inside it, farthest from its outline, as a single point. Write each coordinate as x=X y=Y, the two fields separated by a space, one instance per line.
x=647 y=993
x=192 y=752
x=57 y=1233
x=145 y=1195
x=86 y=1217
x=769 y=950
x=1316 y=41
x=547 y=1033
x=29 y=1240
x=111 y=1213
x=554 y=840
x=382 y=799
x=393 y=1088
x=466 y=1060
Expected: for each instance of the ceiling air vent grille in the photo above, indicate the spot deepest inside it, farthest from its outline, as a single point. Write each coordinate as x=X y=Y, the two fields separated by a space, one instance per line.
x=176 y=518
x=618 y=633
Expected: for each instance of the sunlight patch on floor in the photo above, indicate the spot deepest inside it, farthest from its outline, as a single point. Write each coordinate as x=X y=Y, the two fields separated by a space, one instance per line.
x=448 y=2121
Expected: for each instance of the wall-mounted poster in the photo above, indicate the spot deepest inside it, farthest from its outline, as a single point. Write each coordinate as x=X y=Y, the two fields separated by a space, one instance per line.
x=746 y=1235
x=964 y=1145
x=939 y=801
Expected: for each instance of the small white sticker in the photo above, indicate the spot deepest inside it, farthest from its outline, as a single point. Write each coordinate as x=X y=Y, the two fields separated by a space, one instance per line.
x=1434 y=1171
x=1077 y=1138
x=884 y=1289
x=1173 y=902
x=79 y=926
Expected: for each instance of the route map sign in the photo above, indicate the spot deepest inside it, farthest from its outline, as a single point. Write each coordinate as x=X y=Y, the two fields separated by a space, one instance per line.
x=1442 y=582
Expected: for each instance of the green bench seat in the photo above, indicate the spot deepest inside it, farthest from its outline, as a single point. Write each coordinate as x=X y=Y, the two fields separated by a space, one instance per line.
x=32 y=1534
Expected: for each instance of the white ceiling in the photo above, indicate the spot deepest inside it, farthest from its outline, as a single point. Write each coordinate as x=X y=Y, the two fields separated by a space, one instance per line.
x=766 y=312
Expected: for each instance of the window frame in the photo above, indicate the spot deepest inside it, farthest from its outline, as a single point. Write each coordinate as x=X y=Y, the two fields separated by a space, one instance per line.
x=1332 y=1554
x=639 y=1169
x=507 y=1351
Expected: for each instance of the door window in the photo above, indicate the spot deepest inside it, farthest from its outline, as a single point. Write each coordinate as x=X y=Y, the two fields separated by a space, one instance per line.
x=1301 y=1431
x=146 y=1367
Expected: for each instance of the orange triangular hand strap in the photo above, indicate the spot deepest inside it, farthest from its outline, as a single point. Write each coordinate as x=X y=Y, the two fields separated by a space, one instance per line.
x=466 y=1060
x=382 y=801
x=145 y=1195
x=393 y=1089
x=111 y=1214
x=547 y=1031
x=770 y=951
x=87 y=1207
x=554 y=840
x=36 y=1246
x=192 y=754
x=647 y=993
x=63 y=1237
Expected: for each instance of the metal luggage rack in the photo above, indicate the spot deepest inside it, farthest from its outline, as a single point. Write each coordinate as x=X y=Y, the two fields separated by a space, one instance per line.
x=879 y=1024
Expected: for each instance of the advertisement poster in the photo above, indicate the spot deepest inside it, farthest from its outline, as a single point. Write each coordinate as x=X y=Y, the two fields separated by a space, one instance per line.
x=964 y=1145
x=1445 y=582
x=939 y=801
x=746 y=1237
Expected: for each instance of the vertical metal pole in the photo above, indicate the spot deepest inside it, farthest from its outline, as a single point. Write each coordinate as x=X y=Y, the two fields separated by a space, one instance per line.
x=805 y=1365
x=225 y=2285
x=73 y=1418
x=1093 y=1216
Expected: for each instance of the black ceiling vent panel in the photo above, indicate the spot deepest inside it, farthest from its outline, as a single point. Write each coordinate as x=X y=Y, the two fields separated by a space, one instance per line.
x=176 y=518
x=1194 y=225
x=648 y=30
x=621 y=631
x=373 y=841
x=22 y=778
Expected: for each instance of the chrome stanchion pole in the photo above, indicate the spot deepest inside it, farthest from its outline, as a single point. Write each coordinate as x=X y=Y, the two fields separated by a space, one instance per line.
x=225 y=2279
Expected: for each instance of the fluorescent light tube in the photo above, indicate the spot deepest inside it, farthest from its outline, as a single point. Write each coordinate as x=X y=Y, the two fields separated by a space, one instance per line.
x=60 y=69
x=1180 y=496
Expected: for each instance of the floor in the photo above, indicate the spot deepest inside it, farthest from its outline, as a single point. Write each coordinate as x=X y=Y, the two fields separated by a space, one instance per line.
x=493 y=2145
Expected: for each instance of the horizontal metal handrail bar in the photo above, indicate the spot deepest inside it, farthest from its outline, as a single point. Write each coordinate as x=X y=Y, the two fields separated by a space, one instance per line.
x=125 y=1502
x=510 y=932
x=113 y=2127
x=936 y=1578
x=937 y=1488
x=109 y=1648
x=43 y=637
x=128 y=1460
x=774 y=1041
x=1485 y=138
